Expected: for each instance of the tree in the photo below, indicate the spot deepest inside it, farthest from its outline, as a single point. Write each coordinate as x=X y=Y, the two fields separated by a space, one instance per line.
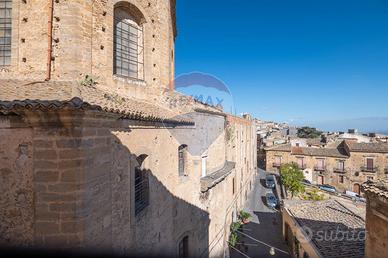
x=308 y=132
x=292 y=178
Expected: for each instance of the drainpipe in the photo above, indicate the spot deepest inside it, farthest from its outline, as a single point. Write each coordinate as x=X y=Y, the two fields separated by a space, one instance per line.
x=50 y=39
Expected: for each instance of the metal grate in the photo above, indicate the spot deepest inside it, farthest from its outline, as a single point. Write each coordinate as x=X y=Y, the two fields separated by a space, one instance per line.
x=128 y=49
x=5 y=31
x=141 y=190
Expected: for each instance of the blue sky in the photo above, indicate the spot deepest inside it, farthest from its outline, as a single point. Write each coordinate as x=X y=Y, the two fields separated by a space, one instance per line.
x=321 y=62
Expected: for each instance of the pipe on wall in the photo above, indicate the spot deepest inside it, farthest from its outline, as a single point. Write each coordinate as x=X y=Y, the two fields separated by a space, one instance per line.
x=50 y=39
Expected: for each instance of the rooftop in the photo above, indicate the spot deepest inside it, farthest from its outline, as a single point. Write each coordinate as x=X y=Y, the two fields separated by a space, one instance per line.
x=214 y=178
x=16 y=95
x=322 y=221
x=323 y=152
x=311 y=151
x=376 y=147
x=379 y=187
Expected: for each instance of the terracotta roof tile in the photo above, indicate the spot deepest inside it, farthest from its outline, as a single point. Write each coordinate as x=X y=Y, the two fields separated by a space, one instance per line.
x=323 y=152
x=376 y=147
x=16 y=94
x=283 y=147
x=322 y=219
x=379 y=187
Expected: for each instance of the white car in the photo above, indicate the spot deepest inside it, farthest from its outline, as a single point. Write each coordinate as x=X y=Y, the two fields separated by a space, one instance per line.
x=355 y=196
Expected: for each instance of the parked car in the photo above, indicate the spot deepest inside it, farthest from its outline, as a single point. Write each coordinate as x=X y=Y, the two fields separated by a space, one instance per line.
x=355 y=196
x=270 y=181
x=327 y=188
x=272 y=202
x=306 y=182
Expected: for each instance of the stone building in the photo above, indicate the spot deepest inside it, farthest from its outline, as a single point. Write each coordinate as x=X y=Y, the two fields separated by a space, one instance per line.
x=346 y=165
x=376 y=218
x=98 y=151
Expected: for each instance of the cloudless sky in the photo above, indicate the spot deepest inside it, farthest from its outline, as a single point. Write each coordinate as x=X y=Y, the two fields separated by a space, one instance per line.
x=296 y=61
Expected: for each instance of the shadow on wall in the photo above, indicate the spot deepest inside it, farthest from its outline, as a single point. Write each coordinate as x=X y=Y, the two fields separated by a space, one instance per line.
x=163 y=224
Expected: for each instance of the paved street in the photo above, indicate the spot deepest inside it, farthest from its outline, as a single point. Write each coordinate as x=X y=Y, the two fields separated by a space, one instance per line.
x=265 y=226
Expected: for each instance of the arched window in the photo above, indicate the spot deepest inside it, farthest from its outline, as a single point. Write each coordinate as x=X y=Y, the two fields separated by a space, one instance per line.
x=128 y=41
x=184 y=247
x=182 y=157
x=141 y=185
x=5 y=32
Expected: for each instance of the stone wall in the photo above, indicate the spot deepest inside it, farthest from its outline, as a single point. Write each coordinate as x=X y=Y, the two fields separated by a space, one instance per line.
x=376 y=226
x=83 y=43
x=17 y=190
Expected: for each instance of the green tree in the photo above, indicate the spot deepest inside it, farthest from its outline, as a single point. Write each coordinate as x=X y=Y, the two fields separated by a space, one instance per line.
x=292 y=178
x=308 y=132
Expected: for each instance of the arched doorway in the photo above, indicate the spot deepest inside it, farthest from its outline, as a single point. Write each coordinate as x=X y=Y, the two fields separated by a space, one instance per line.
x=356 y=188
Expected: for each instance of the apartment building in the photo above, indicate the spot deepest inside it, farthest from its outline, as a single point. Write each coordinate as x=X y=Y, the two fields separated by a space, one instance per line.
x=345 y=165
x=98 y=151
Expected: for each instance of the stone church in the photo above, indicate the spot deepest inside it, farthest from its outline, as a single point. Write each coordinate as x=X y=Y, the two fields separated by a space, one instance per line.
x=97 y=149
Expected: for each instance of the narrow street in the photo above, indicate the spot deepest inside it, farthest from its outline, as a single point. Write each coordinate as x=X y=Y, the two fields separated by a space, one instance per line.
x=264 y=229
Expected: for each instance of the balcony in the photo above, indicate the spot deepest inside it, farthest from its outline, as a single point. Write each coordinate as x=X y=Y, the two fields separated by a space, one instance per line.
x=320 y=168
x=276 y=165
x=339 y=170
x=369 y=169
x=217 y=176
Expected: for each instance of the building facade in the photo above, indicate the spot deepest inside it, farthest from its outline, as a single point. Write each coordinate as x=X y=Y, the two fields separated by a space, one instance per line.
x=345 y=165
x=98 y=150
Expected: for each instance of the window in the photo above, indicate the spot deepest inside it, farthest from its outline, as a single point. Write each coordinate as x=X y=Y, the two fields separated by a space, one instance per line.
x=5 y=31
x=184 y=247
x=204 y=164
x=320 y=163
x=341 y=165
x=128 y=42
x=341 y=179
x=234 y=185
x=182 y=156
x=278 y=160
x=300 y=162
x=369 y=163
x=141 y=185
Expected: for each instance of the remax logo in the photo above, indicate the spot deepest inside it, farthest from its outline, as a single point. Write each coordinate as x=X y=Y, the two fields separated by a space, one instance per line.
x=207 y=89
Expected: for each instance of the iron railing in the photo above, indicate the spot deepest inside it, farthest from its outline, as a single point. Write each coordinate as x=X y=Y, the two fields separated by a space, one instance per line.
x=369 y=169
x=339 y=170
x=276 y=164
x=320 y=168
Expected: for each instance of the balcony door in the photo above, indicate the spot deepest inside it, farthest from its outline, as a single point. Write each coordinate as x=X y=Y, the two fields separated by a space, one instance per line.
x=369 y=164
x=301 y=163
x=321 y=163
